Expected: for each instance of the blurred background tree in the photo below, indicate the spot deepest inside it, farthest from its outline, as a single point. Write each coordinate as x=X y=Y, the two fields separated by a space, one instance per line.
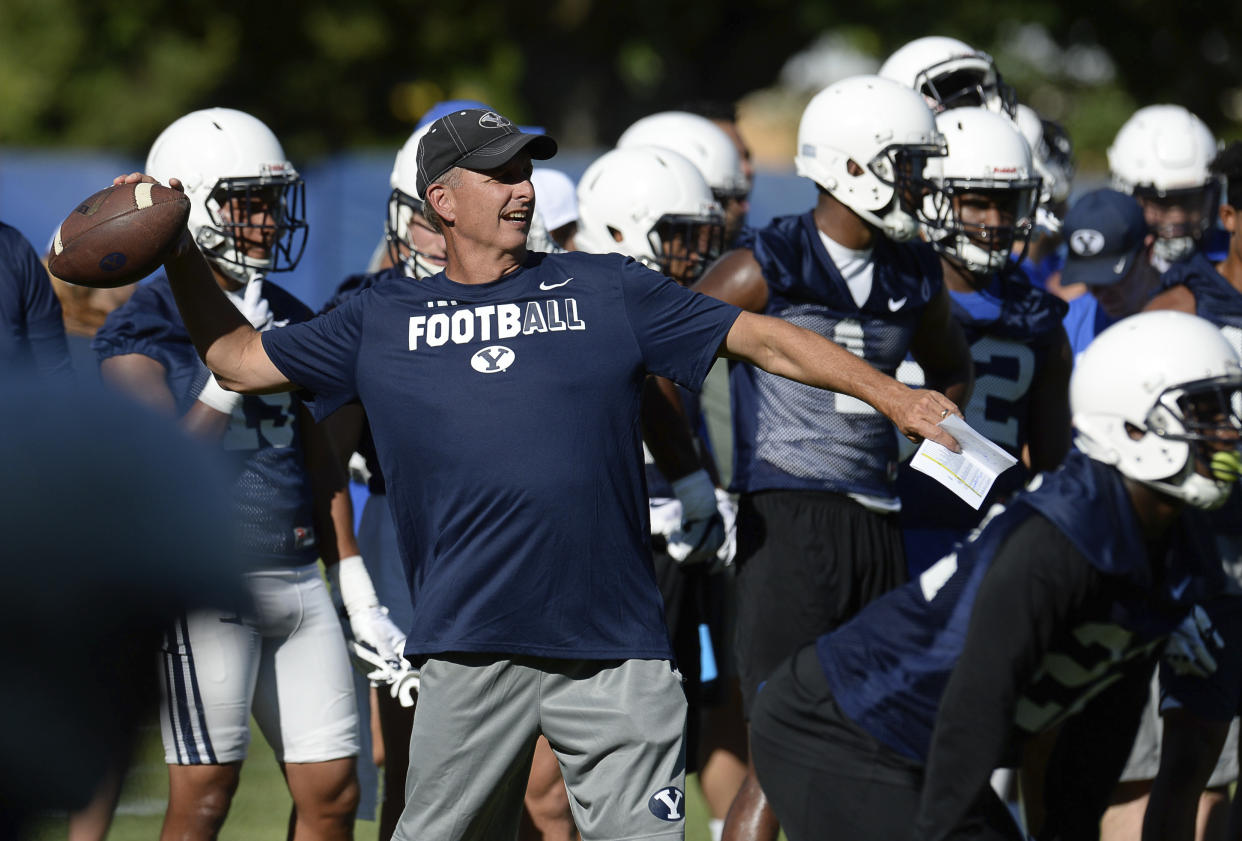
x=328 y=75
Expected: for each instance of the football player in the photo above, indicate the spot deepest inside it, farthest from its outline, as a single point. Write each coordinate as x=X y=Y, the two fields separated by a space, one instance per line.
x=1196 y=711
x=1050 y=615
x=818 y=532
x=709 y=148
x=980 y=210
x=1161 y=156
x=285 y=661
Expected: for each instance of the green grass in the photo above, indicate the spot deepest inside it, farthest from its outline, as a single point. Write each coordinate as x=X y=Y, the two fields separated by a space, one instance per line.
x=261 y=807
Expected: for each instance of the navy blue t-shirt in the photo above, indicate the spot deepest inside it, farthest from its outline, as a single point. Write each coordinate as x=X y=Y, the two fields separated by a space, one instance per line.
x=32 y=331
x=506 y=417
x=263 y=445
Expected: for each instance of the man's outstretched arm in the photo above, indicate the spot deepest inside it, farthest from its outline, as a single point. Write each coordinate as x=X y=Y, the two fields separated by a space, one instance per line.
x=796 y=353
x=229 y=346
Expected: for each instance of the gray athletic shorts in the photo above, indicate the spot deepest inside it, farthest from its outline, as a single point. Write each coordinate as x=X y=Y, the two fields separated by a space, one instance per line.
x=617 y=728
x=1144 y=759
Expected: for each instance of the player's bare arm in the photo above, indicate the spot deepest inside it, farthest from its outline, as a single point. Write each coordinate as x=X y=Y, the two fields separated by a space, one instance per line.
x=796 y=353
x=1178 y=298
x=145 y=379
x=229 y=346
x=939 y=346
x=737 y=279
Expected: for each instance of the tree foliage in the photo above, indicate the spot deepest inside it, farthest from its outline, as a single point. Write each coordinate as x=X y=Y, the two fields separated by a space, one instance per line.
x=112 y=73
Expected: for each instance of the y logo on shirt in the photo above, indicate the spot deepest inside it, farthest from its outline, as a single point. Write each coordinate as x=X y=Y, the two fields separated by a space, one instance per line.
x=492 y=360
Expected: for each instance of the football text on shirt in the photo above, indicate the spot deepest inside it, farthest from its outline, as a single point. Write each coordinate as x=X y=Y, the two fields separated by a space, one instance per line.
x=489 y=322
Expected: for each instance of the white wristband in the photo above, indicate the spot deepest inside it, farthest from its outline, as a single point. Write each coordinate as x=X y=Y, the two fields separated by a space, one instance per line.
x=351 y=579
x=219 y=398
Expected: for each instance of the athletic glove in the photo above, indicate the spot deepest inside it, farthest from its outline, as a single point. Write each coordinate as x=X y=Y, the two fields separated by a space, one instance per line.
x=402 y=680
x=368 y=620
x=253 y=305
x=727 y=506
x=702 y=530
x=1190 y=646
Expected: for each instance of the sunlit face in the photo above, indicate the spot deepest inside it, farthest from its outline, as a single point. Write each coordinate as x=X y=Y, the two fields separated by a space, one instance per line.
x=253 y=219
x=987 y=217
x=494 y=207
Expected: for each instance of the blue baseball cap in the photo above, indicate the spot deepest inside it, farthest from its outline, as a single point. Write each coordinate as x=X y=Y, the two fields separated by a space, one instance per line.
x=1104 y=231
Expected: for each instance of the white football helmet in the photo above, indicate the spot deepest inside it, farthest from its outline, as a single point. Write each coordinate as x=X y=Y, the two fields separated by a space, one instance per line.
x=1161 y=156
x=232 y=164
x=1158 y=394
x=950 y=74
x=1052 y=152
x=887 y=132
x=403 y=202
x=652 y=204
x=699 y=141
x=984 y=192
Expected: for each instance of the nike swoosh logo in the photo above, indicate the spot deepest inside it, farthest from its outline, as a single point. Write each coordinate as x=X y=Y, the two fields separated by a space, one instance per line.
x=545 y=286
x=896 y=304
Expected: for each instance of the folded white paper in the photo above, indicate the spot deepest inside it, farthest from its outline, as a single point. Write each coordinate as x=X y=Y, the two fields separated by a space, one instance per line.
x=970 y=473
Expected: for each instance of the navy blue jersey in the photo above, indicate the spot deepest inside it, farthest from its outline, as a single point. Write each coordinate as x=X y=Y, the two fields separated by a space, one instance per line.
x=1014 y=331
x=792 y=436
x=506 y=417
x=889 y=666
x=32 y=330
x=271 y=491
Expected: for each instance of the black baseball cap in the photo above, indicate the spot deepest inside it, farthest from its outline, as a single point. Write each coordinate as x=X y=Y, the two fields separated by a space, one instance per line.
x=474 y=138
x=1105 y=231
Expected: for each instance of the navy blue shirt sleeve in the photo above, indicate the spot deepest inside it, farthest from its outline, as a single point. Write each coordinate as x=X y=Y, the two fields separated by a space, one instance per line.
x=33 y=324
x=321 y=356
x=667 y=318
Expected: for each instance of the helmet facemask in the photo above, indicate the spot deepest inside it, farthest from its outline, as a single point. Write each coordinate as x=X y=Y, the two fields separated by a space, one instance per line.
x=404 y=215
x=965 y=82
x=900 y=168
x=1178 y=218
x=957 y=211
x=686 y=244
x=257 y=225
x=1207 y=416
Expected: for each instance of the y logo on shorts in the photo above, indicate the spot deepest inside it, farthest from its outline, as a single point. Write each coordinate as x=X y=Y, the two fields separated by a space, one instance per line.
x=665 y=804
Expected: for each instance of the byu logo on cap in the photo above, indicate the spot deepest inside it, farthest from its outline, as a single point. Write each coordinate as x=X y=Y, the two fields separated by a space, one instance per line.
x=665 y=804
x=1086 y=242
x=493 y=120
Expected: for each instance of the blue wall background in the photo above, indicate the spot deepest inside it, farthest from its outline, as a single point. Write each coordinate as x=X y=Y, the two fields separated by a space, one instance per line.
x=346 y=197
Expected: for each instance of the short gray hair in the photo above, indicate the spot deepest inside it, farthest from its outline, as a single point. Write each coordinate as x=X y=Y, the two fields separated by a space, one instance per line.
x=452 y=178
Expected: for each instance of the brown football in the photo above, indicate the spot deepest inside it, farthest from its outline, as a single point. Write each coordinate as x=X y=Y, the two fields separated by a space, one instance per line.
x=119 y=235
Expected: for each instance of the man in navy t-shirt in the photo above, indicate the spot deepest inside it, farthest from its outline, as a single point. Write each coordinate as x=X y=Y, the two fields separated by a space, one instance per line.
x=503 y=395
